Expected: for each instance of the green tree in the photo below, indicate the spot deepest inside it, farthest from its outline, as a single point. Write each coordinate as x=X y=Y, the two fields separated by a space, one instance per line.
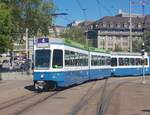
x=5 y=28
x=31 y=14
x=37 y=16
x=146 y=40
x=76 y=34
x=21 y=14
x=136 y=45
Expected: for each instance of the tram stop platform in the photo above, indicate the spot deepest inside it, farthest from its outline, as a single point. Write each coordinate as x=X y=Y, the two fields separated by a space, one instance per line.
x=132 y=98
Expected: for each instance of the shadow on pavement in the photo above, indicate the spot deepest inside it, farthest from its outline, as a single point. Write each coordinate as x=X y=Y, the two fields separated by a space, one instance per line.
x=146 y=110
x=30 y=87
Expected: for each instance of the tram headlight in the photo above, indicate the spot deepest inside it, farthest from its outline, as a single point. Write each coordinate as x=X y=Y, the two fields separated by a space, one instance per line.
x=42 y=76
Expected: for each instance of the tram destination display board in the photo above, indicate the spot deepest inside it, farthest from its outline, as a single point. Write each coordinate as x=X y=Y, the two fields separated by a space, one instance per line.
x=43 y=42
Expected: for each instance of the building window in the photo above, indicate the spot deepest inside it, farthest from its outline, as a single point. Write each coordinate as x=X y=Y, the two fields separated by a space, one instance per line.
x=110 y=38
x=132 y=25
x=125 y=25
x=139 y=25
x=96 y=25
x=118 y=25
x=111 y=25
x=118 y=38
x=110 y=43
x=125 y=44
x=104 y=25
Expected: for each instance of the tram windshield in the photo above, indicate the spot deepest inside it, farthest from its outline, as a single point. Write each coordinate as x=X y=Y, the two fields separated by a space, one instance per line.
x=57 y=58
x=42 y=59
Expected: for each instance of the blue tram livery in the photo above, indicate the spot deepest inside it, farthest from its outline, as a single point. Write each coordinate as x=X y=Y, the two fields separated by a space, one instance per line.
x=129 y=64
x=62 y=62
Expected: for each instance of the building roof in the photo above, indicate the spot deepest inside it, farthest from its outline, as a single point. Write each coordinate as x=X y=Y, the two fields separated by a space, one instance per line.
x=121 y=22
x=85 y=23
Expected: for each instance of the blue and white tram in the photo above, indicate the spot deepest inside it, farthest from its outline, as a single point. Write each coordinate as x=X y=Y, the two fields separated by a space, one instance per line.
x=128 y=64
x=61 y=63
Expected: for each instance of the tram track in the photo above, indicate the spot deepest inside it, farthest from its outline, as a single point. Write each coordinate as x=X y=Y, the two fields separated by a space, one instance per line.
x=22 y=104
x=14 y=101
x=92 y=95
x=82 y=101
x=104 y=104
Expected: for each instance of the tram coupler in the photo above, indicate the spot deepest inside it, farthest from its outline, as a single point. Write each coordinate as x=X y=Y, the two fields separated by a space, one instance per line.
x=39 y=85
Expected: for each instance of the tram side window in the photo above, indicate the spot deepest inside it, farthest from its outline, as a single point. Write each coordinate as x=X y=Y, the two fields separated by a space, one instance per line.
x=99 y=60
x=138 y=61
x=94 y=60
x=145 y=62
x=57 y=59
x=113 y=61
x=132 y=61
x=83 y=60
x=126 y=61
x=121 y=61
x=108 y=60
x=75 y=59
x=69 y=58
x=103 y=60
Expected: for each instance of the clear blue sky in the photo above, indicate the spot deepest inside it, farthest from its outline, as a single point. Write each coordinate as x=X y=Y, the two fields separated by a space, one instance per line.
x=95 y=9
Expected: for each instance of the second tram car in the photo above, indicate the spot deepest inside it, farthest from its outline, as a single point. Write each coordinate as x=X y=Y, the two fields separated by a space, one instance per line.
x=129 y=64
x=61 y=63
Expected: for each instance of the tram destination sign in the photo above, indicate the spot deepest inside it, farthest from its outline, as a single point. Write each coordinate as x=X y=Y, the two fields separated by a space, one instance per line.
x=42 y=42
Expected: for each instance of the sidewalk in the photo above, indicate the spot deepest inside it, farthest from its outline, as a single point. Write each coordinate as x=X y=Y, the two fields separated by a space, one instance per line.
x=15 y=76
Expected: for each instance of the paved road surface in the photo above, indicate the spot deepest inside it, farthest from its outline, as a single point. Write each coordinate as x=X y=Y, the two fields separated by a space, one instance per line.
x=132 y=98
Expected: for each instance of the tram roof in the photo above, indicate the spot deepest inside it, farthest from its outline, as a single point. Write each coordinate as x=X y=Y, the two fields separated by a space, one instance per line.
x=126 y=53
x=81 y=46
x=68 y=42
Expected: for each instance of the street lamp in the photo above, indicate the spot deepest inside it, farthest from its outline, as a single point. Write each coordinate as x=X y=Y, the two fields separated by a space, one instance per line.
x=27 y=44
x=130 y=38
x=103 y=43
x=142 y=53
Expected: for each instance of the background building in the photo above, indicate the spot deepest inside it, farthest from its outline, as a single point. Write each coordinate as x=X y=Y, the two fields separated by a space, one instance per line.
x=113 y=32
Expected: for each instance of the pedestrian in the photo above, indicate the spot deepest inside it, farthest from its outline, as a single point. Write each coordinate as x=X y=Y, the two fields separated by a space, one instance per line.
x=22 y=67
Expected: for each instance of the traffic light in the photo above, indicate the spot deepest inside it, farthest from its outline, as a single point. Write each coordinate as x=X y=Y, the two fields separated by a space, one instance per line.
x=143 y=49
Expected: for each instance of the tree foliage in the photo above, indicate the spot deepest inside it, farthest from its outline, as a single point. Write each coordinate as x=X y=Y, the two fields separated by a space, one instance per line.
x=136 y=45
x=22 y=14
x=76 y=34
x=5 y=28
x=146 y=40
